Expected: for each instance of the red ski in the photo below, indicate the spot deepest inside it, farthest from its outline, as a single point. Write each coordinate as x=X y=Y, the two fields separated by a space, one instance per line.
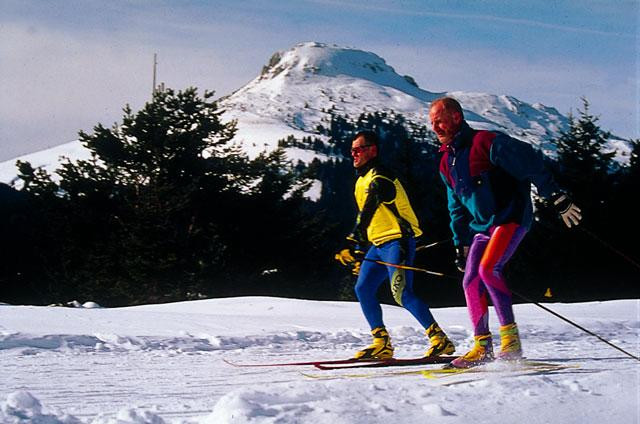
x=351 y=362
x=318 y=362
x=388 y=363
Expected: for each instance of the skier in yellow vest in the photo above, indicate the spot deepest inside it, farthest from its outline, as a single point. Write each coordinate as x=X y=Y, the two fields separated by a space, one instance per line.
x=387 y=224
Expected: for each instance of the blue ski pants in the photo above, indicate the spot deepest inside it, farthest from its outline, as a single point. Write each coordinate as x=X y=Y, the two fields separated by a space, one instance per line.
x=372 y=275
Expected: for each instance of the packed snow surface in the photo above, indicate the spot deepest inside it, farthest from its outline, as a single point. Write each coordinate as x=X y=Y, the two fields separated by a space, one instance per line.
x=164 y=363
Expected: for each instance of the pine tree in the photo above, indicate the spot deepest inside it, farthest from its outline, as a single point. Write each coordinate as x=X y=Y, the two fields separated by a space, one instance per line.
x=622 y=232
x=633 y=171
x=586 y=170
x=167 y=208
x=130 y=223
x=582 y=155
x=585 y=165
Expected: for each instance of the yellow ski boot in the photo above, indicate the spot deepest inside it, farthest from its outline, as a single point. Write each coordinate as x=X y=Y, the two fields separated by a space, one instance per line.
x=510 y=347
x=481 y=353
x=380 y=348
x=440 y=343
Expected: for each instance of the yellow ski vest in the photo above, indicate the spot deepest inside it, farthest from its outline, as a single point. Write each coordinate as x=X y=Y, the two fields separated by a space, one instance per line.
x=385 y=225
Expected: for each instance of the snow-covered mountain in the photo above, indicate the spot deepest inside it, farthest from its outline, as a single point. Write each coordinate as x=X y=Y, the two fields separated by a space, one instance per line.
x=297 y=88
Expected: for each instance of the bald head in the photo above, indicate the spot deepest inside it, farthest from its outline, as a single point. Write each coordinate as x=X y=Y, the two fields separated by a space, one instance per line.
x=446 y=118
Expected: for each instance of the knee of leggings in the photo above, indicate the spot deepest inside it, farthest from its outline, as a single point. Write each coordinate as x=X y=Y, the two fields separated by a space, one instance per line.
x=407 y=298
x=468 y=279
x=361 y=291
x=487 y=272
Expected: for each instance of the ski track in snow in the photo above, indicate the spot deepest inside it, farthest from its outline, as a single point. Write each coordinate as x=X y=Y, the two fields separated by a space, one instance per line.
x=119 y=377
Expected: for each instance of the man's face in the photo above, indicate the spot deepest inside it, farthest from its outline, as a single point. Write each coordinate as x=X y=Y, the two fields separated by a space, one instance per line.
x=361 y=152
x=444 y=123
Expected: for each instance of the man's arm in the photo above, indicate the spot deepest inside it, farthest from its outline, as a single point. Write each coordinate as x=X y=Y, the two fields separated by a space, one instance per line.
x=523 y=162
x=459 y=219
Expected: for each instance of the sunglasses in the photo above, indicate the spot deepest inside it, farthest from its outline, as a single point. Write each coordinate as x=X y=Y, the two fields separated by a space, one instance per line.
x=360 y=149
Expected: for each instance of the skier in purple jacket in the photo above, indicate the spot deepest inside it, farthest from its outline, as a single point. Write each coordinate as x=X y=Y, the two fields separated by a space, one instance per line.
x=488 y=176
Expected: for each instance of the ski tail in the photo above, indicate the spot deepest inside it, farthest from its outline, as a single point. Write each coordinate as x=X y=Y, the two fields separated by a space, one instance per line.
x=302 y=363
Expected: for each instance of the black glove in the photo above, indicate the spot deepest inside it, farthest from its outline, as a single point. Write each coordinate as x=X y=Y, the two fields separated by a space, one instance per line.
x=461 y=257
x=569 y=212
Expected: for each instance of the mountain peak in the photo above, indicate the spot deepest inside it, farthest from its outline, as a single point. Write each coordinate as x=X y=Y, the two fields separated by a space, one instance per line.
x=297 y=88
x=320 y=59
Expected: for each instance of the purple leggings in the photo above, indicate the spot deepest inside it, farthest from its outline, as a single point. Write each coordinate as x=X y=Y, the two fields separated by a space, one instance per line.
x=483 y=275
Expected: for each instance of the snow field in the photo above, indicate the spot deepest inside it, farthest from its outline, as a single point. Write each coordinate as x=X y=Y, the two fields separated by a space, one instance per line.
x=163 y=363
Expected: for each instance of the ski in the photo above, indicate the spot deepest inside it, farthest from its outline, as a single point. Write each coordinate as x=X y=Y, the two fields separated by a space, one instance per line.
x=329 y=364
x=530 y=368
x=526 y=367
x=393 y=362
x=521 y=366
x=312 y=363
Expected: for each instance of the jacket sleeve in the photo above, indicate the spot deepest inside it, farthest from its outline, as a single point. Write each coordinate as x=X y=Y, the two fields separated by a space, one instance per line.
x=523 y=162
x=459 y=217
x=381 y=190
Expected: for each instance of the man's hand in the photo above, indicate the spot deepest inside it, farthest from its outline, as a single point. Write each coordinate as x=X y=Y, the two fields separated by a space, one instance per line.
x=349 y=256
x=352 y=258
x=355 y=269
x=461 y=257
x=569 y=212
x=345 y=257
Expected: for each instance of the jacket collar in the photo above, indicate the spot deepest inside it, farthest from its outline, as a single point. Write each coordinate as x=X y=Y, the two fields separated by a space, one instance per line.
x=367 y=167
x=460 y=140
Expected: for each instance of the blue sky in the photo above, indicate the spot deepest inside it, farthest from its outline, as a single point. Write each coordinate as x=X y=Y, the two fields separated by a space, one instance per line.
x=67 y=65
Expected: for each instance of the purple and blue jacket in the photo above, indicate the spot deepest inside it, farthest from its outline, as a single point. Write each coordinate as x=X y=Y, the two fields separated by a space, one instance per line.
x=488 y=176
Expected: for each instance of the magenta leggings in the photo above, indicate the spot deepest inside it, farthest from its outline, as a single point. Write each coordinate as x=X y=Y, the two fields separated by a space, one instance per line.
x=483 y=275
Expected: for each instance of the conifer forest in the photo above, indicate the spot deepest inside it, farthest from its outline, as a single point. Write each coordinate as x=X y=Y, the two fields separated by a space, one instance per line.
x=168 y=208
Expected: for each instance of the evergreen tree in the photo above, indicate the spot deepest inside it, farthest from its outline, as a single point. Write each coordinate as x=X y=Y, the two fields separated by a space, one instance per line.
x=621 y=230
x=158 y=210
x=573 y=264
x=585 y=165
x=167 y=209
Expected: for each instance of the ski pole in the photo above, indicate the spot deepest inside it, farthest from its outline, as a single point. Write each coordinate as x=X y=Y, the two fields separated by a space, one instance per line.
x=409 y=268
x=526 y=299
x=610 y=247
x=427 y=246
